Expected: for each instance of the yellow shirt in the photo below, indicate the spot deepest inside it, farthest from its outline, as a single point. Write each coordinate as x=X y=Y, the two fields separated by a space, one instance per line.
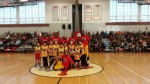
x=37 y=49
x=66 y=48
x=61 y=51
x=44 y=51
x=55 y=50
x=82 y=49
x=50 y=48
x=77 y=54
x=71 y=47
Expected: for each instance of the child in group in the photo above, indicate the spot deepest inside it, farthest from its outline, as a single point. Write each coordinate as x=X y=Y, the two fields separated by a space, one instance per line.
x=55 y=48
x=44 y=55
x=61 y=51
x=50 y=49
x=55 y=54
x=77 y=56
x=83 y=57
x=66 y=62
x=37 y=53
x=65 y=46
x=71 y=49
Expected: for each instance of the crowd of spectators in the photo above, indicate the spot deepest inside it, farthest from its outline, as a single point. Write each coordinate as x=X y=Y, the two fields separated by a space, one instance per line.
x=10 y=40
x=121 y=41
x=96 y=44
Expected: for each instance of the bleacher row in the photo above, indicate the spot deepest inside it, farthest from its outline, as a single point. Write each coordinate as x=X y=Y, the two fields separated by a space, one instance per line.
x=10 y=41
x=120 y=41
x=99 y=41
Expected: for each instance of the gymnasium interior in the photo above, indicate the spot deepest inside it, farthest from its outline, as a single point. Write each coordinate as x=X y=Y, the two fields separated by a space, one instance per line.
x=118 y=45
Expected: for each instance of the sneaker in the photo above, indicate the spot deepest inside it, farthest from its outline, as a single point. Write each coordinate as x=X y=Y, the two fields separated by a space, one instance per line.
x=38 y=66
x=43 y=68
x=50 y=69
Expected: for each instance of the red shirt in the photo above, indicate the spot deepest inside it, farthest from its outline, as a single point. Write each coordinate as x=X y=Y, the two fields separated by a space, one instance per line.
x=72 y=39
x=56 y=39
x=62 y=41
x=85 y=39
x=66 y=60
x=44 y=39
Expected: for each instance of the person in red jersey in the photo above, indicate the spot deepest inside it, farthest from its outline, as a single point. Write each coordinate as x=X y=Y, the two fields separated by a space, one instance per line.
x=43 y=39
x=67 y=60
x=64 y=39
x=55 y=37
x=85 y=38
x=72 y=38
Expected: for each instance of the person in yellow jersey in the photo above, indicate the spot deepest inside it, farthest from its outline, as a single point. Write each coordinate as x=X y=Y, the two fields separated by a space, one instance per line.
x=44 y=55
x=55 y=55
x=50 y=49
x=77 y=56
x=85 y=39
x=55 y=48
x=66 y=47
x=37 y=52
x=83 y=54
x=71 y=48
x=61 y=51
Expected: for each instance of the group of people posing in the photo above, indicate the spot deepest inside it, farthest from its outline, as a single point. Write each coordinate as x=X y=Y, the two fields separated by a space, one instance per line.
x=55 y=53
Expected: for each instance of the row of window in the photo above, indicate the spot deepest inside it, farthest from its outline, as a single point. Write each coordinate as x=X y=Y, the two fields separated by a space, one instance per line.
x=27 y=14
x=128 y=12
x=119 y=12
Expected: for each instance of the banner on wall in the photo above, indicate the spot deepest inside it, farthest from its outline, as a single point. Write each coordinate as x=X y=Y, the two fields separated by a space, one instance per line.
x=97 y=12
x=55 y=13
x=88 y=12
x=64 y=13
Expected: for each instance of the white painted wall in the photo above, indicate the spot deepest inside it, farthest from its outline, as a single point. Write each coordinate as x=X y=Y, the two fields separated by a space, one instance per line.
x=91 y=26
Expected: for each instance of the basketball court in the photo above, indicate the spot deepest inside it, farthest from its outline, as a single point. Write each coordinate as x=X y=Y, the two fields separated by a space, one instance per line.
x=118 y=68
x=113 y=34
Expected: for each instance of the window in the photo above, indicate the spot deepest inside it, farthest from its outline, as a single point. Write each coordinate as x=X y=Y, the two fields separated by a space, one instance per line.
x=32 y=13
x=8 y=15
x=145 y=13
x=123 y=12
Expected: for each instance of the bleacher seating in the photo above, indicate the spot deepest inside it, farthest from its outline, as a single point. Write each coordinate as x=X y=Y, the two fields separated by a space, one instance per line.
x=125 y=41
x=99 y=42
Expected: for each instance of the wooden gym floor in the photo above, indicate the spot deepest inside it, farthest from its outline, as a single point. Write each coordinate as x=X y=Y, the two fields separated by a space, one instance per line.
x=119 y=68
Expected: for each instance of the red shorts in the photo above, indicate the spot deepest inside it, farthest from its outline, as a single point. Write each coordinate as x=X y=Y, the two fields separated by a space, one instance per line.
x=37 y=56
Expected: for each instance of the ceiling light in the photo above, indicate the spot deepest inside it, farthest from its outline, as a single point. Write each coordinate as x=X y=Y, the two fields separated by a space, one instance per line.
x=23 y=0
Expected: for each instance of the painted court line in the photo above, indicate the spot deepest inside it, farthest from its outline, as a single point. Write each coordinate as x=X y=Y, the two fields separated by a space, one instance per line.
x=106 y=77
x=115 y=72
x=131 y=70
x=31 y=80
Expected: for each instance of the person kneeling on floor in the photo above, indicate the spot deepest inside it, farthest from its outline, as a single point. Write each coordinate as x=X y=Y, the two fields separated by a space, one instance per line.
x=67 y=60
